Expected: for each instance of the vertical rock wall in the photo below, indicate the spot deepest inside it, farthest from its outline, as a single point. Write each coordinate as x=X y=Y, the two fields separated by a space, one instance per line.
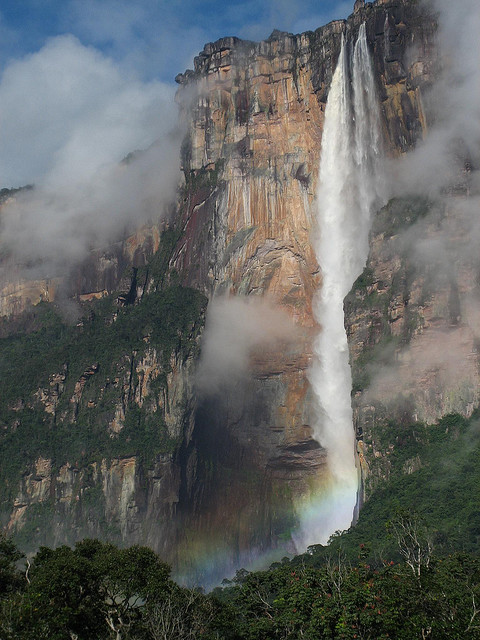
x=251 y=161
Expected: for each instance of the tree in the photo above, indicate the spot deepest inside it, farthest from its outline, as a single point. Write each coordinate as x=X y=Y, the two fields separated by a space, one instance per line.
x=132 y=580
x=9 y=556
x=183 y=614
x=413 y=539
x=90 y=592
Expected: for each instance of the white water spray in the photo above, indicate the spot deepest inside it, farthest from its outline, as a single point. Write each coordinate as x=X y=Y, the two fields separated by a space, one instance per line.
x=350 y=186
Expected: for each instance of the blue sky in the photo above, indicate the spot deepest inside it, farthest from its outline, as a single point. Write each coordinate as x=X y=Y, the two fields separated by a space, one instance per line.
x=156 y=38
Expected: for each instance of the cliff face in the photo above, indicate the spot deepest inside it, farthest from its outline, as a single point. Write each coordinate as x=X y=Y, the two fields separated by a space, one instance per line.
x=92 y=425
x=235 y=467
x=254 y=144
x=126 y=498
x=412 y=320
x=103 y=272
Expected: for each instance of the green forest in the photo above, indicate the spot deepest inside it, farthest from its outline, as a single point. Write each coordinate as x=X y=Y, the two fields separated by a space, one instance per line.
x=408 y=569
x=97 y=591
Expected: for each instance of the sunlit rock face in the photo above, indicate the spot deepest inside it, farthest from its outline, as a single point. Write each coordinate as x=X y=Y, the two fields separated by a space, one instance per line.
x=247 y=463
x=256 y=113
x=251 y=162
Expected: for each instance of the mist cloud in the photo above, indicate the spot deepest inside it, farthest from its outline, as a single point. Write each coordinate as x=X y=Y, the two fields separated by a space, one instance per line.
x=447 y=163
x=71 y=112
x=452 y=107
x=67 y=110
x=438 y=367
x=235 y=326
x=69 y=116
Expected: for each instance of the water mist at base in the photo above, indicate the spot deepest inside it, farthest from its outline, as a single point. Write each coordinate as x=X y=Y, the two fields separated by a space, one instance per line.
x=350 y=187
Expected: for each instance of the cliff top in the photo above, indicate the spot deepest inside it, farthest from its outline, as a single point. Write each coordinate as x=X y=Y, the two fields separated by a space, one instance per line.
x=289 y=41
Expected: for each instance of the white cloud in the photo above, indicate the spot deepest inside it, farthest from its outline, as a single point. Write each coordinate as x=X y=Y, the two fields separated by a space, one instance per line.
x=68 y=117
x=234 y=327
x=69 y=113
x=67 y=110
x=156 y=38
x=452 y=105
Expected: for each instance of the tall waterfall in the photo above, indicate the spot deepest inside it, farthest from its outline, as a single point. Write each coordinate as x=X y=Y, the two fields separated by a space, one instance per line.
x=350 y=186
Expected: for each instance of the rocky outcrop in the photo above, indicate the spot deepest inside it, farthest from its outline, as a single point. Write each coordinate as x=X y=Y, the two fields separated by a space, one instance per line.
x=18 y=294
x=103 y=272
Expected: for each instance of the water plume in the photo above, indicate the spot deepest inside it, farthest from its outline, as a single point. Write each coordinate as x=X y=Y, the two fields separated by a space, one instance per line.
x=350 y=186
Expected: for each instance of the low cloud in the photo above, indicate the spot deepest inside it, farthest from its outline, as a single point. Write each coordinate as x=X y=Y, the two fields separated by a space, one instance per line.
x=235 y=327
x=439 y=366
x=71 y=112
x=47 y=230
x=69 y=116
x=452 y=146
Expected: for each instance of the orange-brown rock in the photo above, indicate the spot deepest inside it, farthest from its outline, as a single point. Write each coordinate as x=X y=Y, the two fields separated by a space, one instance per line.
x=251 y=160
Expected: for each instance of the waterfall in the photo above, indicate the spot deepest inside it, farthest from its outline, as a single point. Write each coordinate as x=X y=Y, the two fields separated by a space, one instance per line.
x=350 y=186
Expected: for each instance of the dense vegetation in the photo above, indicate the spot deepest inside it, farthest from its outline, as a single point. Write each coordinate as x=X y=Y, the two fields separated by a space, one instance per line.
x=409 y=569
x=101 y=347
x=430 y=502
x=67 y=373
x=97 y=591
x=433 y=471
